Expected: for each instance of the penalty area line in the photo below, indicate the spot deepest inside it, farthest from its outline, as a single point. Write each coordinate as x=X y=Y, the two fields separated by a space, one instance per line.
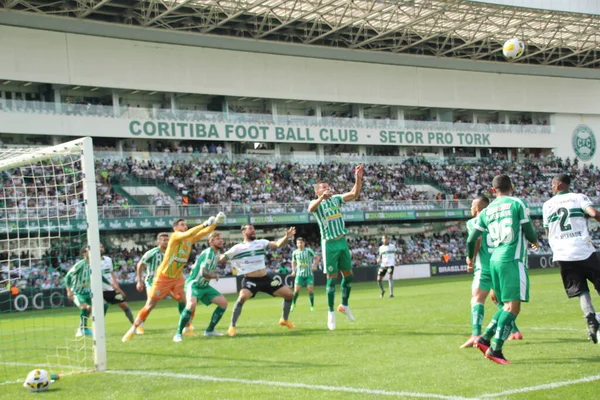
x=553 y=385
x=288 y=385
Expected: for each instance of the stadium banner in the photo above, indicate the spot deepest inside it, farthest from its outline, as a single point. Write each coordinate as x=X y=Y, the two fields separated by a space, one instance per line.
x=458 y=213
x=299 y=218
x=282 y=133
x=449 y=268
x=379 y=215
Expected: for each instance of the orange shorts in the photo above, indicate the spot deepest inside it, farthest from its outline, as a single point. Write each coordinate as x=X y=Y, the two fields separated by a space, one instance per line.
x=163 y=285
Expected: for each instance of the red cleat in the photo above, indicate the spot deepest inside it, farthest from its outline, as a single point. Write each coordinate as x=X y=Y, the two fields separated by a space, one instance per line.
x=482 y=344
x=496 y=356
x=516 y=336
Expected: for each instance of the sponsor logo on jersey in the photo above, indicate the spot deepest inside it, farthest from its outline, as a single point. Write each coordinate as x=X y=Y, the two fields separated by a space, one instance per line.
x=584 y=142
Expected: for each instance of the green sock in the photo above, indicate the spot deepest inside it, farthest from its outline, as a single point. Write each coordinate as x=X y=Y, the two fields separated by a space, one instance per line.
x=216 y=317
x=311 y=296
x=477 y=312
x=105 y=308
x=505 y=324
x=330 y=288
x=490 y=330
x=346 y=288
x=180 y=307
x=184 y=318
x=296 y=294
x=515 y=329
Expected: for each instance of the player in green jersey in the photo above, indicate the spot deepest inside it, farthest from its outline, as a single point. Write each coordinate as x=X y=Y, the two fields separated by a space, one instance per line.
x=79 y=291
x=507 y=222
x=304 y=262
x=197 y=287
x=327 y=209
x=150 y=261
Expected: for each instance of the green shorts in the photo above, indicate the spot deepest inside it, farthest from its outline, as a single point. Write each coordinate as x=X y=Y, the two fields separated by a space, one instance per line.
x=80 y=299
x=510 y=280
x=336 y=256
x=203 y=294
x=482 y=279
x=304 y=280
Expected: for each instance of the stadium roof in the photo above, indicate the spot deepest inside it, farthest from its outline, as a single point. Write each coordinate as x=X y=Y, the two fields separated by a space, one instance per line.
x=439 y=28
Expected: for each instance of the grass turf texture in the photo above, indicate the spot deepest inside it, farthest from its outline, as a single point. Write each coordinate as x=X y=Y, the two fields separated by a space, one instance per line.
x=406 y=347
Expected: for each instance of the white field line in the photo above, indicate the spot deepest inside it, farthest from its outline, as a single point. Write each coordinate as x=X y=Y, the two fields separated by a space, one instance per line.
x=553 y=385
x=146 y=374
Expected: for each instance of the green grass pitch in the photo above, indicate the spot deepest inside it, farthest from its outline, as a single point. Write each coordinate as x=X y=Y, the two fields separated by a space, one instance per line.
x=405 y=347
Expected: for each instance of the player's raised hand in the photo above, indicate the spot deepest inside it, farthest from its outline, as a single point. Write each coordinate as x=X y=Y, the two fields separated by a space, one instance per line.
x=359 y=170
x=327 y=194
x=291 y=232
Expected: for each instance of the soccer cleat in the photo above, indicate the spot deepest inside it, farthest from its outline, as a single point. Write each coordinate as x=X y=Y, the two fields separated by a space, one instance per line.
x=482 y=344
x=312 y=308
x=139 y=330
x=79 y=332
x=593 y=326
x=346 y=310
x=87 y=332
x=292 y=307
x=516 y=336
x=177 y=338
x=496 y=356
x=232 y=331
x=128 y=335
x=470 y=342
x=382 y=294
x=212 y=333
x=287 y=322
x=331 y=320
x=189 y=331
x=391 y=296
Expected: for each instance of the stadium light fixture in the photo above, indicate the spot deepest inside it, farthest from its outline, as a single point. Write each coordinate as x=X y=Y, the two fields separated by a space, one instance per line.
x=93 y=89
x=6 y=82
x=27 y=84
x=76 y=87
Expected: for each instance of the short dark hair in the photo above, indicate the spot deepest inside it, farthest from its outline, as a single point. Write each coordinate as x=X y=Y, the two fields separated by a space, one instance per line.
x=243 y=228
x=177 y=221
x=483 y=200
x=84 y=250
x=502 y=183
x=300 y=238
x=162 y=234
x=563 y=178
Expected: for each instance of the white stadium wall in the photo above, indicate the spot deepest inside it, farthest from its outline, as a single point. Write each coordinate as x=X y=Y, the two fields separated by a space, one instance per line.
x=63 y=58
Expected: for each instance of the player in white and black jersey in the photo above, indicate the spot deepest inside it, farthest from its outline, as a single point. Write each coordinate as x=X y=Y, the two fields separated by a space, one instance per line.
x=248 y=258
x=572 y=248
x=387 y=261
x=111 y=291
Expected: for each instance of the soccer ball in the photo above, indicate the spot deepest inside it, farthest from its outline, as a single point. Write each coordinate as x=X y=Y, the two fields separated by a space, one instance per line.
x=513 y=48
x=38 y=380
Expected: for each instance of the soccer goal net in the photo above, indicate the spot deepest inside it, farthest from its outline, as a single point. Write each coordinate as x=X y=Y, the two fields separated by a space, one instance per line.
x=48 y=214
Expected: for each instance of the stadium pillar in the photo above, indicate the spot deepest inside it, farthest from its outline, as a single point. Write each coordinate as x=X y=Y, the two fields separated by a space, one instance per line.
x=321 y=151
x=277 y=150
x=274 y=111
x=173 y=101
x=474 y=117
x=57 y=101
x=3 y=99
x=477 y=152
x=116 y=105
x=362 y=150
x=318 y=111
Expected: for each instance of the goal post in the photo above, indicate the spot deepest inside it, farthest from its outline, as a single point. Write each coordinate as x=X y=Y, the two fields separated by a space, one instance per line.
x=48 y=212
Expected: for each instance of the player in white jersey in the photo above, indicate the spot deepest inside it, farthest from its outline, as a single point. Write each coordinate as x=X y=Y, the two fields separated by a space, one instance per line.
x=111 y=291
x=387 y=261
x=572 y=248
x=248 y=258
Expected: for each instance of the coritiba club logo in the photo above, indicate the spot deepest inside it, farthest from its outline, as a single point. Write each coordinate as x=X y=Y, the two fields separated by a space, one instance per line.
x=584 y=142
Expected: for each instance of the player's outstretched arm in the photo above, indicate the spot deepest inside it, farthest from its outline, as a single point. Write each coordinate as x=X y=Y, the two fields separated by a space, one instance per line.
x=355 y=192
x=315 y=203
x=592 y=212
x=283 y=241
x=139 y=270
